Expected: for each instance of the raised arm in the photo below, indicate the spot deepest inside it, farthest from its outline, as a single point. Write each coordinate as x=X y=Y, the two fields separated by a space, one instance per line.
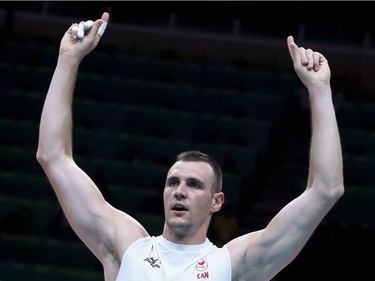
x=95 y=221
x=325 y=168
x=261 y=255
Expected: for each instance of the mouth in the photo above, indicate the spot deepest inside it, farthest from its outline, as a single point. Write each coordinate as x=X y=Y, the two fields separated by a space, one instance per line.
x=179 y=208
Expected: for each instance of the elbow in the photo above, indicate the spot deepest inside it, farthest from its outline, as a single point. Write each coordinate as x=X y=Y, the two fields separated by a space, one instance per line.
x=341 y=190
x=329 y=191
x=45 y=159
x=42 y=158
x=338 y=189
x=335 y=192
x=332 y=186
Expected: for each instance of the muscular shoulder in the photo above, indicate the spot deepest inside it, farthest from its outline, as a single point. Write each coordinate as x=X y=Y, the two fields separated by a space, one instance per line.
x=245 y=256
x=123 y=231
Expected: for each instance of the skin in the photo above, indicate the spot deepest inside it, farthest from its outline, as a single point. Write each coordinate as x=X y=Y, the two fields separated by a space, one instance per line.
x=189 y=184
x=108 y=232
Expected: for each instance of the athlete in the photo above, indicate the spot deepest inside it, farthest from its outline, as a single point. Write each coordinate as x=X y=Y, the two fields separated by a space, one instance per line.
x=192 y=192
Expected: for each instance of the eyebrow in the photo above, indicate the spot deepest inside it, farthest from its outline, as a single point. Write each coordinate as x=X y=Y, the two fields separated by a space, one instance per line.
x=189 y=179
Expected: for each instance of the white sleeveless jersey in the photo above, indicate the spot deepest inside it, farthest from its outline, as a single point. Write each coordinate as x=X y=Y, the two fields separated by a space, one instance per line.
x=157 y=259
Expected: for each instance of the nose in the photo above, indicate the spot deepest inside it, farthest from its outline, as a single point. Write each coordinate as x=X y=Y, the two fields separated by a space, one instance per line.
x=180 y=191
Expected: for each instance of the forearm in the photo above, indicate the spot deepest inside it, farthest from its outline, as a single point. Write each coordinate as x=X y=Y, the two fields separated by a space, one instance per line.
x=55 y=134
x=325 y=152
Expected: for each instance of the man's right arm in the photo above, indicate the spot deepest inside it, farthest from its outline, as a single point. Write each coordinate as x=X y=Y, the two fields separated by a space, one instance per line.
x=95 y=221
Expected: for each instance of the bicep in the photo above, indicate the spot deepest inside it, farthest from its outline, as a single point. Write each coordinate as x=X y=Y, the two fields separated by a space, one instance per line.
x=265 y=252
x=93 y=219
x=77 y=194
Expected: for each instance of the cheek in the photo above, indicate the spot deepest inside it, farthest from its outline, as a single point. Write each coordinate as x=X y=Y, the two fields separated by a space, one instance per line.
x=203 y=204
x=166 y=194
x=165 y=200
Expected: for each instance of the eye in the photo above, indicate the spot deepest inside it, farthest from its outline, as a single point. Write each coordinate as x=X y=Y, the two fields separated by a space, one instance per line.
x=173 y=182
x=195 y=184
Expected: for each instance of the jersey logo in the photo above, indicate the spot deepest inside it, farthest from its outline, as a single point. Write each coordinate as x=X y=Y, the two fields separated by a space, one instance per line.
x=153 y=262
x=201 y=265
x=203 y=275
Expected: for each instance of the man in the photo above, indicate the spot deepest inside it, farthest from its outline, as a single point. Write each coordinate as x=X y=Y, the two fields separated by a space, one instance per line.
x=192 y=190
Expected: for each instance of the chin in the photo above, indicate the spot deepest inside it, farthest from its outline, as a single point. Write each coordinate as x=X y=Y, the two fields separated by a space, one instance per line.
x=177 y=223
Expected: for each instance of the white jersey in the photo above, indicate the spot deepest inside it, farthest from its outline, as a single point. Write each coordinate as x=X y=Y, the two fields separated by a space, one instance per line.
x=157 y=259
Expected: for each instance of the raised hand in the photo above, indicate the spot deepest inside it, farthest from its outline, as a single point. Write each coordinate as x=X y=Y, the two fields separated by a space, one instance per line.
x=311 y=66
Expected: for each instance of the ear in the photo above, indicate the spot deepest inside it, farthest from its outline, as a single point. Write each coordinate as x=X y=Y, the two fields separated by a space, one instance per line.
x=217 y=202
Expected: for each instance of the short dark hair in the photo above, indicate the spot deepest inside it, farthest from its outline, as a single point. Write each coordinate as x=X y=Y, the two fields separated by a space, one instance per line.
x=198 y=156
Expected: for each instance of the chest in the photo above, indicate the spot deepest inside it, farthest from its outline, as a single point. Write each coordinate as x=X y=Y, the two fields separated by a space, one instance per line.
x=163 y=265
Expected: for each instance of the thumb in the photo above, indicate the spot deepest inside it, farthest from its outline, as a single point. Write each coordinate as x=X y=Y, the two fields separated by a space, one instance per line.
x=293 y=48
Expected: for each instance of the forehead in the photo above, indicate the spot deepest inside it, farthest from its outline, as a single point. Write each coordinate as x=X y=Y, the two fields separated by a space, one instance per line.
x=190 y=169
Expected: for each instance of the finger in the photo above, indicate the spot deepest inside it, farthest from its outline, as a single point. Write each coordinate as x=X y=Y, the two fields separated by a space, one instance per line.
x=293 y=50
x=303 y=57
x=105 y=17
x=73 y=29
x=87 y=25
x=83 y=28
x=308 y=60
x=318 y=59
x=81 y=31
x=290 y=41
x=103 y=26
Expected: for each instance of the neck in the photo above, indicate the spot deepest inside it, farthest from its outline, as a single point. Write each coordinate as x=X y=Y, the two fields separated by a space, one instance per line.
x=184 y=237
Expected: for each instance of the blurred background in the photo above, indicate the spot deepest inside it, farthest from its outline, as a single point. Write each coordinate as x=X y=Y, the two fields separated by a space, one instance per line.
x=173 y=76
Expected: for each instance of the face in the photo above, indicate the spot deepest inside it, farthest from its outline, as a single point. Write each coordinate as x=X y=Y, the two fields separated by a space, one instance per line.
x=188 y=198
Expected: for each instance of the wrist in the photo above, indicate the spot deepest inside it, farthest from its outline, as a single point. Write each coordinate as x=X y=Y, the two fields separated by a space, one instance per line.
x=69 y=60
